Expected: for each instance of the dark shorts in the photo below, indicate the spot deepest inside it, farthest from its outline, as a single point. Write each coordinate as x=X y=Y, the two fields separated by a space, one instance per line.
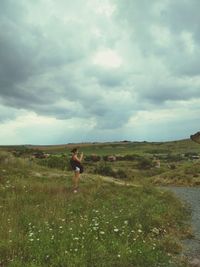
x=76 y=166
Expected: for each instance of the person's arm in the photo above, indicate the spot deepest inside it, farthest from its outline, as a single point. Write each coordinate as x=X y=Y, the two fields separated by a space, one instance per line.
x=81 y=157
x=78 y=159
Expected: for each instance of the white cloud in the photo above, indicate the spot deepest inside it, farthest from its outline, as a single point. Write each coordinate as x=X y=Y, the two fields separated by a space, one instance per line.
x=104 y=7
x=107 y=58
x=31 y=128
x=162 y=35
x=188 y=41
x=176 y=121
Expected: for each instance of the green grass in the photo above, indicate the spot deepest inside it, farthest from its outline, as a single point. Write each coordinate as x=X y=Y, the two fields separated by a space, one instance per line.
x=43 y=223
x=186 y=173
x=122 y=148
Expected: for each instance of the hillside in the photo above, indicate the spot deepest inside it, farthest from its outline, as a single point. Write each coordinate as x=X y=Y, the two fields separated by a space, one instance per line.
x=124 y=147
x=136 y=161
x=43 y=223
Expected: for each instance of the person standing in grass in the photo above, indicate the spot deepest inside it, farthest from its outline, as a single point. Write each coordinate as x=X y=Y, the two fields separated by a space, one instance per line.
x=76 y=165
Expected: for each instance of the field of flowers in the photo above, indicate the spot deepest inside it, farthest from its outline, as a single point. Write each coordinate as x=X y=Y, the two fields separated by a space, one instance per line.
x=43 y=223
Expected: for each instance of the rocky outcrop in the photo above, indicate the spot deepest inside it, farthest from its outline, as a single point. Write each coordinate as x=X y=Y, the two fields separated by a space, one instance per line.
x=195 y=137
x=194 y=263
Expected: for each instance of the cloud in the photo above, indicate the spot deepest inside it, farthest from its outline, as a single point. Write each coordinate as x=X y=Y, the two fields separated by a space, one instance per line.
x=168 y=30
x=103 y=62
x=175 y=121
x=43 y=58
x=8 y=113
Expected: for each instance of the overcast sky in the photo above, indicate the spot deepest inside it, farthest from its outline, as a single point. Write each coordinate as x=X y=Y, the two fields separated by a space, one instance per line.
x=99 y=70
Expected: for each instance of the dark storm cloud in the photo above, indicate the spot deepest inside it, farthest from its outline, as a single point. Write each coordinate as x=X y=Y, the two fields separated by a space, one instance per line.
x=15 y=60
x=43 y=62
x=47 y=58
x=165 y=90
x=29 y=53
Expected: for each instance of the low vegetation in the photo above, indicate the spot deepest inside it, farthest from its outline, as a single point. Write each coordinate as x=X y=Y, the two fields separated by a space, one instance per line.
x=43 y=223
x=133 y=161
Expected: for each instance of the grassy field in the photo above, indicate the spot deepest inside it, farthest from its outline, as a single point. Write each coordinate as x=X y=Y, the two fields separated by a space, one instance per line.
x=185 y=173
x=175 y=169
x=122 y=148
x=43 y=223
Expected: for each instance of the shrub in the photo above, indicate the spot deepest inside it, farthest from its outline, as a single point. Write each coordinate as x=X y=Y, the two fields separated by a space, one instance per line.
x=55 y=162
x=144 y=163
x=132 y=157
x=105 y=158
x=4 y=156
x=93 y=158
x=121 y=174
x=172 y=166
x=174 y=157
x=119 y=157
x=107 y=170
x=104 y=169
x=23 y=151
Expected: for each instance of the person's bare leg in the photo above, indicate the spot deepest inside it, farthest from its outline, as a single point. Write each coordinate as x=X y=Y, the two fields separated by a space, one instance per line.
x=76 y=179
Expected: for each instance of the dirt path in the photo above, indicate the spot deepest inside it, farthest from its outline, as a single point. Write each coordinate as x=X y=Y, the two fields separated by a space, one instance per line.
x=117 y=181
x=191 y=195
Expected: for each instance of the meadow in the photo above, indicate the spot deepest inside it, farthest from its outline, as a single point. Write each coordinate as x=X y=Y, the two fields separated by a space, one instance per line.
x=43 y=223
x=177 y=166
x=122 y=147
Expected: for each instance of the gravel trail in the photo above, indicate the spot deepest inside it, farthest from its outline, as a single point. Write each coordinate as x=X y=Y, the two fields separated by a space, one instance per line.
x=191 y=195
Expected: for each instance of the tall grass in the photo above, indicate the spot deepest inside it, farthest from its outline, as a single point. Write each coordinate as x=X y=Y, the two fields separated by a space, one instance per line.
x=43 y=223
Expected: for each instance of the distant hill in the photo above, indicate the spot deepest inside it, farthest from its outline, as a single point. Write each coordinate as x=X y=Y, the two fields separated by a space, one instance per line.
x=117 y=147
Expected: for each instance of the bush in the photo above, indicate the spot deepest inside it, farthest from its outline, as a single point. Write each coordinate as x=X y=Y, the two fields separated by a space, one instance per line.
x=174 y=157
x=93 y=158
x=172 y=166
x=105 y=158
x=119 y=157
x=4 y=156
x=132 y=157
x=104 y=169
x=144 y=163
x=55 y=162
x=107 y=170
x=121 y=174
x=23 y=151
